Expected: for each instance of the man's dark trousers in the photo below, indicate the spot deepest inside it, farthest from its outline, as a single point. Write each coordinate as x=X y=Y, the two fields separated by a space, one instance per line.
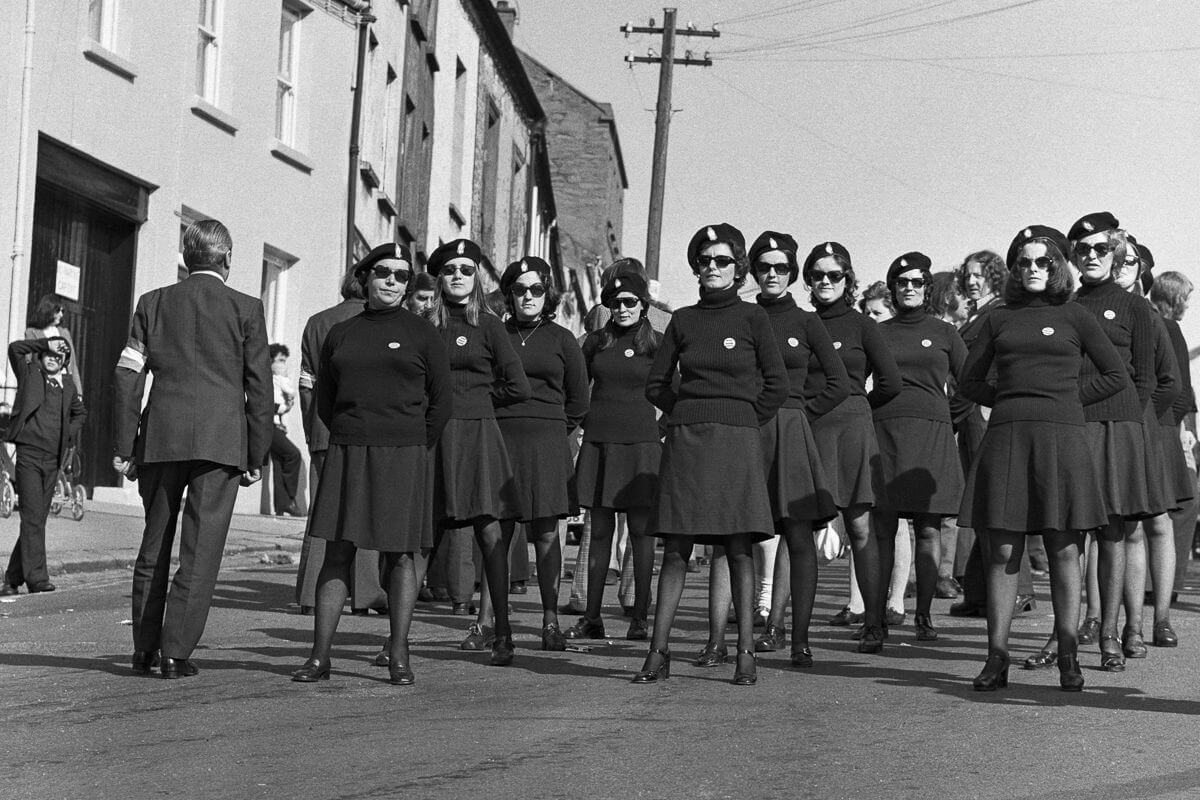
x=37 y=470
x=211 y=492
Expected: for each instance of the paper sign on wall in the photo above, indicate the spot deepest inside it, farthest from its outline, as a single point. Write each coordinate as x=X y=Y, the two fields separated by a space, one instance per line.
x=66 y=281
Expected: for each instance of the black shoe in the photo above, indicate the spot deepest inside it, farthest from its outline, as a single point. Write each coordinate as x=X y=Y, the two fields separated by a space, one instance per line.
x=1111 y=657
x=925 y=629
x=745 y=677
x=313 y=670
x=1023 y=603
x=995 y=673
x=872 y=639
x=654 y=674
x=846 y=617
x=400 y=675
x=773 y=639
x=1132 y=644
x=964 y=608
x=8 y=589
x=425 y=595
x=518 y=587
x=586 y=629
x=1069 y=676
x=479 y=637
x=712 y=656
x=1042 y=659
x=893 y=618
x=503 y=651
x=947 y=589
x=45 y=586
x=802 y=657
x=1089 y=631
x=552 y=637
x=178 y=668
x=144 y=661
x=638 y=632
x=384 y=657
x=463 y=609
x=1164 y=635
x=306 y=611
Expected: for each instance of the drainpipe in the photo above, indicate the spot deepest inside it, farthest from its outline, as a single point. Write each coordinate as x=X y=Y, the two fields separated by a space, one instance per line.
x=364 y=22
x=18 y=249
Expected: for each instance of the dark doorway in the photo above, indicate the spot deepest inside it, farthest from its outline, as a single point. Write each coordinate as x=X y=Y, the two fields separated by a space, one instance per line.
x=88 y=217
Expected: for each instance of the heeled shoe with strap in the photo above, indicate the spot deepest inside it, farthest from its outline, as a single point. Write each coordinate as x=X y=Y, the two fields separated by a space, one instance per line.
x=1069 y=676
x=1089 y=631
x=654 y=674
x=503 y=651
x=746 y=677
x=1132 y=643
x=774 y=638
x=995 y=673
x=313 y=670
x=1111 y=657
x=400 y=675
x=712 y=656
x=1164 y=635
x=1043 y=659
x=802 y=657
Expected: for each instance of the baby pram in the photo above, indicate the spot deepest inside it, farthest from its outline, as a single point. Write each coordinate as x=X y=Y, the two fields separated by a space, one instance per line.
x=69 y=495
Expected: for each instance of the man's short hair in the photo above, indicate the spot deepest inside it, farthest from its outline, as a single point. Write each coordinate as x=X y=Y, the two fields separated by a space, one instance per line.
x=205 y=244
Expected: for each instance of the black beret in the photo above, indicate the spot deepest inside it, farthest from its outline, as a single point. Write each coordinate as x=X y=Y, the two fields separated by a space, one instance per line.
x=1095 y=222
x=1147 y=258
x=519 y=268
x=455 y=248
x=381 y=253
x=625 y=282
x=1033 y=233
x=826 y=249
x=913 y=260
x=722 y=232
x=773 y=240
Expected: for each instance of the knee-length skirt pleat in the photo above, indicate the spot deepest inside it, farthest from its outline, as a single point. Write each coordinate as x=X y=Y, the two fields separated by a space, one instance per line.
x=1127 y=472
x=922 y=472
x=1034 y=477
x=711 y=484
x=796 y=482
x=617 y=475
x=542 y=471
x=378 y=498
x=1180 y=483
x=846 y=443
x=474 y=477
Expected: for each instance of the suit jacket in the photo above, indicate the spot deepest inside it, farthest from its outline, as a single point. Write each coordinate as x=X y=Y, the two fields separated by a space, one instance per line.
x=72 y=368
x=311 y=342
x=211 y=397
x=31 y=391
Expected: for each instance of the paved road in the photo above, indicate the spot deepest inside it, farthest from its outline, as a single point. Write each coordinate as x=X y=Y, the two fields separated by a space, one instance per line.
x=905 y=724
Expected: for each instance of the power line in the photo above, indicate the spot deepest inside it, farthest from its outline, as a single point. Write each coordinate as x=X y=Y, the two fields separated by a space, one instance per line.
x=867 y=57
x=777 y=11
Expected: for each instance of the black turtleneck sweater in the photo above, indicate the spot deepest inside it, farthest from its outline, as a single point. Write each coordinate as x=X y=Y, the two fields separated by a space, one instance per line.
x=554 y=367
x=730 y=369
x=1038 y=350
x=384 y=380
x=1126 y=321
x=801 y=338
x=930 y=355
x=1185 y=402
x=484 y=368
x=862 y=350
x=619 y=411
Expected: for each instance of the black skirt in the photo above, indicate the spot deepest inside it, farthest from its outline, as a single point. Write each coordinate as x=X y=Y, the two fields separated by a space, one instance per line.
x=846 y=443
x=1034 y=477
x=1178 y=480
x=1127 y=474
x=796 y=482
x=618 y=476
x=711 y=485
x=922 y=472
x=542 y=471
x=474 y=478
x=378 y=498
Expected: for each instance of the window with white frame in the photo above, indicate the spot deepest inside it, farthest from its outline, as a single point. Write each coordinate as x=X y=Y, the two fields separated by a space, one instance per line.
x=102 y=22
x=275 y=266
x=208 y=49
x=289 y=59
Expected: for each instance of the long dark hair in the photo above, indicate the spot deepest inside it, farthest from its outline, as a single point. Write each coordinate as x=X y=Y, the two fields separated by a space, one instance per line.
x=1059 y=283
x=43 y=313
x=645 y=340
x=850 y=295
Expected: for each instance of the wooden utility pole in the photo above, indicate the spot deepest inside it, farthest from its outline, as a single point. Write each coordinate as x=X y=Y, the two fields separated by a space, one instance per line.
x=662 y=117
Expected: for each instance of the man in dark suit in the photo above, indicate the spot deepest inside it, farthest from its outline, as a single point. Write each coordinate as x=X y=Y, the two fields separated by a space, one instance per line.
x=206 y=427
x=46 y=417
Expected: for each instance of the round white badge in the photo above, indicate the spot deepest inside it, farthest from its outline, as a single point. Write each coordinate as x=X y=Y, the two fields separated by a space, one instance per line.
x=926 y=343
x=629 y=353
x=793 y=342
x=1110 y=314
x=460 y=341
x=837 y=345
x=729 y=343
x=1047 y=331
x=393 y=345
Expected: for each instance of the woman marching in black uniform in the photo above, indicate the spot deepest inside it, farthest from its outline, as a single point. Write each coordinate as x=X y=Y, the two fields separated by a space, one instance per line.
x=846 y=435
x=732 y=380
x=922 y=476
x=617 y=469
x=383 y=389
x=1034 y=471
x=535 y=430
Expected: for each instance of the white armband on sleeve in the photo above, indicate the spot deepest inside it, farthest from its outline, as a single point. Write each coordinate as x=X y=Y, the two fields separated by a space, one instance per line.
x=132 y=358
x=307 y=379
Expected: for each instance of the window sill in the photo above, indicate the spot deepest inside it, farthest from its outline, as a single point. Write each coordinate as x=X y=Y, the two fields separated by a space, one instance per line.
x=291 y=155
x=457 y=216
x=210 y=113
x=99 y=54
x=386 y=205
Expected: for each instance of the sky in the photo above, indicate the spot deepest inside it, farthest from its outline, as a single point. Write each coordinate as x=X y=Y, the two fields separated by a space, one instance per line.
x=942 y=126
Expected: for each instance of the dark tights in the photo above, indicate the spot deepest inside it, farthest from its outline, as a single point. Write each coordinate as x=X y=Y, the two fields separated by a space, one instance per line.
x=1002 y=551
x=603 y=524
x=926 y=556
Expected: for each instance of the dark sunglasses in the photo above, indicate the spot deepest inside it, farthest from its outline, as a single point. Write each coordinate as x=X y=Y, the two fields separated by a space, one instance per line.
x=449 y=269
x=1041 y=262
x=535 y=290
x=916 y=283
x=1102 y=249
x=834 y=276
x=720 y=261
x=622 y=302
x=778 y=269
x=402 y=274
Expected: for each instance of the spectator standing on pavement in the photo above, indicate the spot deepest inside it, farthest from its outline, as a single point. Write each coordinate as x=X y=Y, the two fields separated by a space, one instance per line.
x=46 y=417
x=206 y=427
x=285 y=456
x=383 y=391
x=46 y=322
x=365 y=591
x=421 y=293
